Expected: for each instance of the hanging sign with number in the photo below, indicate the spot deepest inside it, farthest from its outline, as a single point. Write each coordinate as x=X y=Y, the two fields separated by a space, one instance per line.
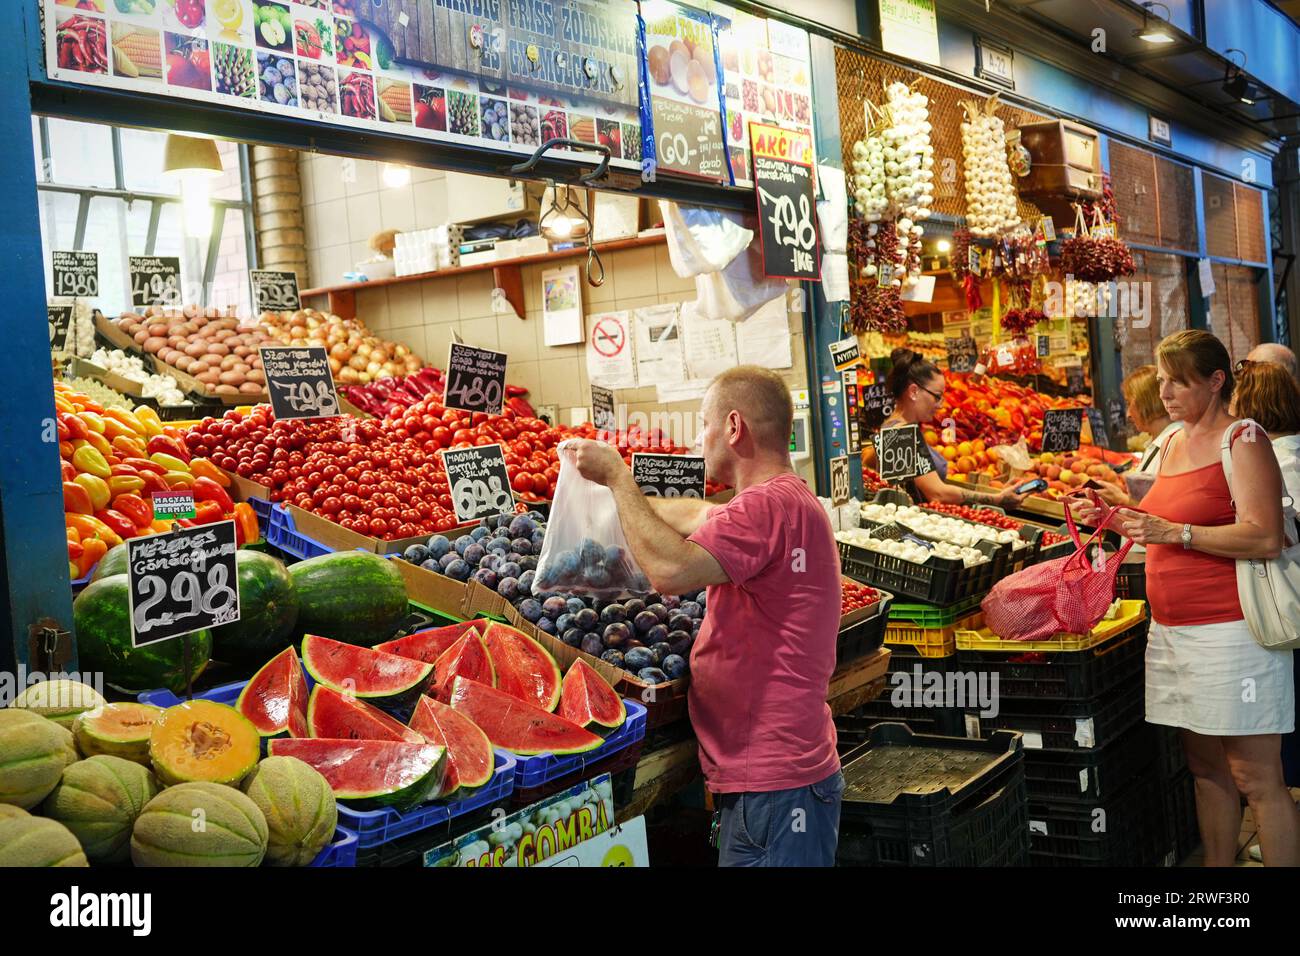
x=476 y=379
x=840 y=487
x=76 y=273
x=963 y=354
x=480 y=485
x=275 y=291
x=1061 y=428
x=897 y=452
x=603 y=415
x=300 y=381
x=786 y=194
x=181 y=582
x=877 y=404
x=60 y=317
x=668 y=476
x=155 y=280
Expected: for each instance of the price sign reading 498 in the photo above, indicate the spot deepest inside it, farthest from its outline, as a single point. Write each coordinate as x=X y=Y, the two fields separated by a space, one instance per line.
x=784 y=188
x=182 y=582
x=476 y=379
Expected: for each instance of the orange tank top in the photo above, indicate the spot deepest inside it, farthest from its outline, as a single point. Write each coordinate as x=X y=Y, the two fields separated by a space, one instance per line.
x=1187 y=587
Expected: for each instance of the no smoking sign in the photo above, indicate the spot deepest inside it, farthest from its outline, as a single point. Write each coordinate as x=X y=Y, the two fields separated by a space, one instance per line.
x=608 y=337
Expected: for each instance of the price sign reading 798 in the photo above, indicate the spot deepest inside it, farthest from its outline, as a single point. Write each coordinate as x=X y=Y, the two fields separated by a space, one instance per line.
x=300 y=381
x=783 y=185
x=476 y=379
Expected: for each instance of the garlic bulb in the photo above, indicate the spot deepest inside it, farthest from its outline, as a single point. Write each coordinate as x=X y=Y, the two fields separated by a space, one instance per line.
x=990 y=193
x=909 y=174
x=869 y=178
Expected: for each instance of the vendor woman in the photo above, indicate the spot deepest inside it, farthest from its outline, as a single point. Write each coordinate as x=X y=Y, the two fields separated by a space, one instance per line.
x=917 y=387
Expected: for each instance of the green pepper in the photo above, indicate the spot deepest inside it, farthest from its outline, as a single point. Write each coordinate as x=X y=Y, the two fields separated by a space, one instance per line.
x=88 y=460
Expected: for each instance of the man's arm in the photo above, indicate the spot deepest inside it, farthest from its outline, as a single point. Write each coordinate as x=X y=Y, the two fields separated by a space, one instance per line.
x=673 y=564
x=683 y=515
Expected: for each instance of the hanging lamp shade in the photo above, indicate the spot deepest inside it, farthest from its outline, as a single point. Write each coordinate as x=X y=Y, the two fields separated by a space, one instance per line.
x=564 y=213
x=190 y=154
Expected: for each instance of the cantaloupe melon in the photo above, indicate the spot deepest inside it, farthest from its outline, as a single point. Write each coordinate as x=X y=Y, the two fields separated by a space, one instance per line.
x=36 y=841
x=59 y=700
x=119 y=730
x=8 y=811
x=98 y=799
x=33 y=753
x=199 y=824
x=203 y=740
x=299 y=808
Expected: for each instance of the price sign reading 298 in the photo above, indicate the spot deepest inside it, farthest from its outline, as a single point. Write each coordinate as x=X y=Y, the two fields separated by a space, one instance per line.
x=783 y=184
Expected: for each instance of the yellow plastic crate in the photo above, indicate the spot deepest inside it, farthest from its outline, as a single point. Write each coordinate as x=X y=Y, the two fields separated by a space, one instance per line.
x=930 y=641
x=980 y=638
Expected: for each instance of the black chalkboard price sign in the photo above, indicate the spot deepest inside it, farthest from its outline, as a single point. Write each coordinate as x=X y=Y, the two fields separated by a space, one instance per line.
x=963 y=354
x=603 y=415
x=155 y=280
x=476 y=379
x=786 y=193
x=1097 y=421
x=300 y=381
x=1061 y=429
x=182 y=581
x=60 y=321
x=668 y=476
x=841 y=489
x=75 y=273
x=480 y=485
x=275 y=291
x=898 y=450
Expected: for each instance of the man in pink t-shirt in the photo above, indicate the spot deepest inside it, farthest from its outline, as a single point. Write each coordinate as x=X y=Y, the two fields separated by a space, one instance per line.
x=764 y=656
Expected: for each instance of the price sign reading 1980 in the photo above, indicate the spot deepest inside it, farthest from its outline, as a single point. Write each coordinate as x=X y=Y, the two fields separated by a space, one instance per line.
x=668 y=476
x=300 y=382
x=181 y=582
x=476 y=379
x=480 y=485
x=783 y=185
x=75 y=273
x=275 y=291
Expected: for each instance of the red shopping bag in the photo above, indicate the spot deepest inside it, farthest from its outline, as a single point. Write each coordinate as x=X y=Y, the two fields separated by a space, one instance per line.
x=1066 y=595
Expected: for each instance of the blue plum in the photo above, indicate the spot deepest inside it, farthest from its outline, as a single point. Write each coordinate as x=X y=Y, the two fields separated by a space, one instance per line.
x=593 y=645
x=573 y=637
x=416 y=554
x=459 y=570
x=638 y=658
x=613 y=657
x=652 y=675
x=531 y=610
x=675 y=666
x=660 y=651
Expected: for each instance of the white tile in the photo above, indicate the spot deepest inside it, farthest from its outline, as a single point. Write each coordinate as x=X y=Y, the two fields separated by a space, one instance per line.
x=441 y=303
x=437 y=344
x=420 y=174
x=634 y=273
x=475 y=293
x=334 y=261
x=397 y=208
x=363 y=217
x=306 y=179
x=518 y=337
x=372 y=308
x=526 y=374
x=327 y=178
x=669 y=281
x=330 y=227
x=430 y=203
x=405 y=306
x=360 y=177
x=481 y=332
x=561 y=382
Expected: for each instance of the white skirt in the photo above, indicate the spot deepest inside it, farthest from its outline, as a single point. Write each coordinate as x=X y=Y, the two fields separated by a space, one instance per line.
x=1214 y=679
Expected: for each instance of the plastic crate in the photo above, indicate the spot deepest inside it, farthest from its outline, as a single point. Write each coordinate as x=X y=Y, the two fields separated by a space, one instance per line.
x=342 y=852
x=1071 y=725
x=945 y=721
x=1089 y=776
x=1173 y=759
x=979 y=638
x=938 y=581
x=1131 y=581
x=932 y=615
x=618 y=766
x=1182 y=830
x=1063 y=675
x=928 y=641
x=543 y=768
x=917 y=800
x=1133 y=834
x=280 y=533
x=262 y=508
x=409 y=850
x=863 y=636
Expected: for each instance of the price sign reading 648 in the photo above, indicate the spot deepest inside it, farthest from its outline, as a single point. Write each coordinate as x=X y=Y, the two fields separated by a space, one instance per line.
x=476 y=379
x=181 y=582
x=783 y=185
x=480 y=484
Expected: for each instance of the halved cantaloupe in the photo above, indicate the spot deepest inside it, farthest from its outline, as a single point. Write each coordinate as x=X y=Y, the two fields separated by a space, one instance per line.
x=200 y=740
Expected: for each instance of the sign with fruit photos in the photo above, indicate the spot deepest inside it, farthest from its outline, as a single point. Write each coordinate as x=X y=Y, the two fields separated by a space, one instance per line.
x=480 y=484
x=504 y=76
x=181 y=582
x=668 y=476
x=786 y=195
x=476 y=379
x=155 y=280
x=1061 y=429
x=681 y=76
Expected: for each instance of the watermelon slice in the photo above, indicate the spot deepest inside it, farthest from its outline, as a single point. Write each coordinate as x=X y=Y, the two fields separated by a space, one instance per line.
x=275 y=698
x=470 y=759
x=428 y=645
x=467 y=658
x=361 y=672
x=338 y=717
x=519 y=727
x=381 y=773
x=523 y=667
x=587 y=698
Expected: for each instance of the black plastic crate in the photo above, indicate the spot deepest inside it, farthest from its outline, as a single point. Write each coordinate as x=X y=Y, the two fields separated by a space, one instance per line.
x=938 y=581
x=1126 y=830
x=1181 y=827
x=923 y=801
x=1063 y=675
x=1131 y=581
x=1173 y=759
x=945 y=721
x=1071 y=725
x=1090 y=775
x=862 y=637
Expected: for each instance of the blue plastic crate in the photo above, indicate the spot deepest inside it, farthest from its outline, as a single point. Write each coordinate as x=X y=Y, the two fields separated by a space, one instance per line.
x=280 y=533
x=543 y=768
x=262 y=508
x=342 y=852
x=221 y=694
x=376 y=827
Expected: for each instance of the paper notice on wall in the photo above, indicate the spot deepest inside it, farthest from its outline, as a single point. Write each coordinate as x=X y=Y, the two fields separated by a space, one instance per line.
x=658 y=338
x=710 y=343
x=562 y=305
x=609 y=350
x=1206 y=274
x=764 y=338
x=616 y=217
x=835 y=277
x=922 y=291
x=691 y=390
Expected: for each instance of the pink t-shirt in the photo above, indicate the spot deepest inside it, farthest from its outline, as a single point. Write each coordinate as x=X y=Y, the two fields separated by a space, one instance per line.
x=763 y=659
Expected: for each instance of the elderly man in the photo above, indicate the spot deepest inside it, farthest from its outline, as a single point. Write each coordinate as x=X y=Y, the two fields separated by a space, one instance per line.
x=764 y=657
x=1275 y=353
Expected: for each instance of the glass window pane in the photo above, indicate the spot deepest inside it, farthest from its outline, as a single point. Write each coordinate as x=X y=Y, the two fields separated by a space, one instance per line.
x=81 y=154
x=58 y=226
x=142 y=160
x=230 y=284
x=228 y=185
x=106 y=234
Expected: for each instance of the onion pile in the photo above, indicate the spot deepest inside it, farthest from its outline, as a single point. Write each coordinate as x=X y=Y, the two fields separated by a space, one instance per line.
x=203 y=343
x=357 y=356
x=990 y=195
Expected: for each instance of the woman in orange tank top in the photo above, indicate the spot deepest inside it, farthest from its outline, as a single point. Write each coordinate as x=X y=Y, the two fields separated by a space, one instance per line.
x=1205 y=674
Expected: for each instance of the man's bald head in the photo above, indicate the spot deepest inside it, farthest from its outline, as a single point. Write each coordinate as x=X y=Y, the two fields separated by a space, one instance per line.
x=1275 y=353
x=763 y=400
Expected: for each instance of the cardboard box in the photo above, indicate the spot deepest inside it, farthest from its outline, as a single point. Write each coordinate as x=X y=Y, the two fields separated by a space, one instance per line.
x=349 y=409
x=113 y=332
x=339 y=538
x=433 y=590
x=241 y=489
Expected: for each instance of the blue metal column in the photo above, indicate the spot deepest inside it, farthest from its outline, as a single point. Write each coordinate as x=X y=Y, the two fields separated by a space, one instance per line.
x=34 y=586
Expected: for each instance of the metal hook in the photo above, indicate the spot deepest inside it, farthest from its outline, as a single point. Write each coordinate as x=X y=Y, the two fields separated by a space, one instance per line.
x=590 y=176
x=594 y=256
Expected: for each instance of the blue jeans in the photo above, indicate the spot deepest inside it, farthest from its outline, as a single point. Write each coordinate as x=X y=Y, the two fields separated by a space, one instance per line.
x=798 y=827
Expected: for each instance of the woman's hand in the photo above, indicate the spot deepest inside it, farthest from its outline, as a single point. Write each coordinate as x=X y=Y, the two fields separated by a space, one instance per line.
x=1113 y=494
x=1085 y=511
x=1147 y=528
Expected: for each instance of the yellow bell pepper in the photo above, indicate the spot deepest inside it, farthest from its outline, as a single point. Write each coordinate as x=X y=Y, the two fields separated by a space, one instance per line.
x=123 y=417
x=149 y=420
x=94 y=421
x=128 y=446
x=100 y=443
x=124 y=484
x=179 y=479
x=96 y=487
x=170 y=462
x=90 y=460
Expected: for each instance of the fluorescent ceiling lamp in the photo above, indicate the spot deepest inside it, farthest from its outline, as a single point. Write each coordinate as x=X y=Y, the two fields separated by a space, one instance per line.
x=1155 y=33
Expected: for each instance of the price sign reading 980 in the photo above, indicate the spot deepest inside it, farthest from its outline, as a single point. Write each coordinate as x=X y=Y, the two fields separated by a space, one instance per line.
x=75 y=273
x=480 y=484
x=897 y=451
x=668 y=476
x=300 y=381
x=476 y=379
x=783 y=186
x=181 y=582
x=275 y=291
x=155 y=280
x=1061 y=428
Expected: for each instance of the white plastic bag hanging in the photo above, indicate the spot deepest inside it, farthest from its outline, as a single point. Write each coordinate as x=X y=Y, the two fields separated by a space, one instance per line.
x=701 y=240
x=739 y=290
x=585 y=550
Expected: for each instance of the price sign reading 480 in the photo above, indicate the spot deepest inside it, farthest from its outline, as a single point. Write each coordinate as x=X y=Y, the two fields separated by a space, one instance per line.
x=182 y=582
x=476 y=379
x=480 y=484
x=300 y=381
x=783 y=185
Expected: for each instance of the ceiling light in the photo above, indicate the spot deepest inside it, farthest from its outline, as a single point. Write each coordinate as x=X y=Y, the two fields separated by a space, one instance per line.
x=396 y=175
x=1156 y=32
x=564 y=214
x=943 y=245
x=1239 y=88
x=195 y=162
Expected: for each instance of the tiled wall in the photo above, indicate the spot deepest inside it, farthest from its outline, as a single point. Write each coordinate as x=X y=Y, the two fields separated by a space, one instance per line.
x=341 y=215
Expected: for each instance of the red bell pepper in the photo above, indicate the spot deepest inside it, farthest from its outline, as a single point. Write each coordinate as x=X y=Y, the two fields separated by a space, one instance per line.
x=167 y=445
x=76 y=499
x=153 y=483
x=136 y=508
x=75 y=426
x=142 y=465
x=205 y=489
x=118 y=522
x=206 y=512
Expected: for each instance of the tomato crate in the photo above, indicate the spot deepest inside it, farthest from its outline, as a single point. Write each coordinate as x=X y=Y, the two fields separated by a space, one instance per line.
x=937 y=581
x=1067 y=725
x=1063 y=675
x=926 y=801
x=863 y=634
x=262 y=508
x=281 y=533
x=1090 y=775
x=342 y=851
x=544 y=768
x=1067 y=834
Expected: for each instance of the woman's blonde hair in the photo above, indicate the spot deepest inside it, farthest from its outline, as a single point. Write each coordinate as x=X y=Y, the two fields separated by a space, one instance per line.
x=1268 y=393
x=1143 y=394
x=1194 y=356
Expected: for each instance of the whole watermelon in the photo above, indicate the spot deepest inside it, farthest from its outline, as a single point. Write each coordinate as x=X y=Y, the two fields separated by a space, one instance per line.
x=114 y=562
x=268 y=611
x=101 y=618
x=350 y=596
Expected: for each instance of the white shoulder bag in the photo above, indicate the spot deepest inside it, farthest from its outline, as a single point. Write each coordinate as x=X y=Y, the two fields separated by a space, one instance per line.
x=1269 y=590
